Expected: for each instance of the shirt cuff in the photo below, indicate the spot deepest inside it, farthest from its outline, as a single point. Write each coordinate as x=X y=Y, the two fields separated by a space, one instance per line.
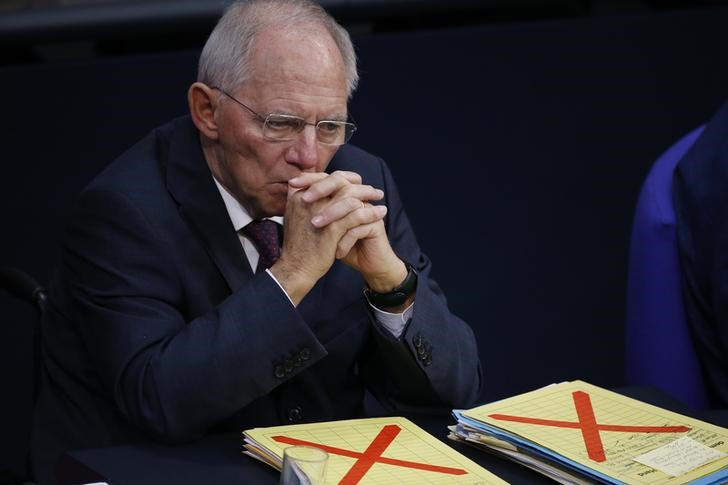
x=280 y=286
x=394 y=323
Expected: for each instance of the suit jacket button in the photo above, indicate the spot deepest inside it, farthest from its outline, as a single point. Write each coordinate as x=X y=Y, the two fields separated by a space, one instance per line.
x=427 y=359
x=295 y=414
x=304 y=354
x=288 y=365
x=279 y=372
x=417 y=340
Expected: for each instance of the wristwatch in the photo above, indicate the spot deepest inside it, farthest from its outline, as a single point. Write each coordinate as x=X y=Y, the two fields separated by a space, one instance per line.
x=397 y=295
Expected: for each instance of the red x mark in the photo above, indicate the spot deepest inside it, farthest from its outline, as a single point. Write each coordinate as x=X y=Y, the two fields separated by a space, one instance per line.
x=589 y=427
x=372 y=455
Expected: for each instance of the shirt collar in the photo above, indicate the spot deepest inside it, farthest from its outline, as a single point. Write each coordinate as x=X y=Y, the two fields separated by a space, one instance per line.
x=238 y=215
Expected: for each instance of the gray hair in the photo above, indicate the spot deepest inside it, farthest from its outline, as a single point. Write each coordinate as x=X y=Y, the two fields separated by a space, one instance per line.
x=225 y=59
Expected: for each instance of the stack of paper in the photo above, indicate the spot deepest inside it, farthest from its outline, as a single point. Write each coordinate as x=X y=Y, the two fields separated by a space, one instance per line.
x=578 y=433
x=371 y=451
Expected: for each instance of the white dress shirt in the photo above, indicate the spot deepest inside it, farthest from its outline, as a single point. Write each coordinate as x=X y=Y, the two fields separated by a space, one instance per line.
x=393 y=322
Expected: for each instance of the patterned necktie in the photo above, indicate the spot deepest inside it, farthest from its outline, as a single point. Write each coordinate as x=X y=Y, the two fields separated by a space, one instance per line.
x=264 y=234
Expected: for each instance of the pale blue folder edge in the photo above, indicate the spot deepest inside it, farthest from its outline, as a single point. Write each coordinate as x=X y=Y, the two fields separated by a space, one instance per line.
x=714 y=478
x=535 y=448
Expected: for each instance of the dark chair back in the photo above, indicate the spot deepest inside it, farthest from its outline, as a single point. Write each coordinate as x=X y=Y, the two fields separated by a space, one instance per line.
x=660 y=351
x=23 y=287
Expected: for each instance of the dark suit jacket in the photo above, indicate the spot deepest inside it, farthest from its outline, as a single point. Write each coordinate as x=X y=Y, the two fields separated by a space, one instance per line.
x=701 y=209
x=157 y=327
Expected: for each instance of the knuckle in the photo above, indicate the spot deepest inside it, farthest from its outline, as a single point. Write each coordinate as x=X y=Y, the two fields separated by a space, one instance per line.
x=340 y=177
x=364 y=217
x=353 y=203
x=296 y=197
x=347 y=241
x=351 y=177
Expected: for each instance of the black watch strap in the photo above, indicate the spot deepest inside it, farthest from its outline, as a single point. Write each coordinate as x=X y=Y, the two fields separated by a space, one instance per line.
x=398 y=295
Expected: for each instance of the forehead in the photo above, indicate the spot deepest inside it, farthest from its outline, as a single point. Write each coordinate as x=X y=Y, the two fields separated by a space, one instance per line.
x=302 y=62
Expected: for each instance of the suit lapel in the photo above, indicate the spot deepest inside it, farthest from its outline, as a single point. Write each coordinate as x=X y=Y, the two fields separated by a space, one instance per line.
x=190 y=183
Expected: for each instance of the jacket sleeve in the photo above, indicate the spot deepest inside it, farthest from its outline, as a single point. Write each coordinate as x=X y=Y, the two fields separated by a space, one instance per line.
x=167 y=372
x=434 y=364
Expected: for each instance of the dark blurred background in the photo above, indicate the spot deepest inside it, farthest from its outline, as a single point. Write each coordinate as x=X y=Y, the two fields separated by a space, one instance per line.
x=33 y=31
x=520 y=129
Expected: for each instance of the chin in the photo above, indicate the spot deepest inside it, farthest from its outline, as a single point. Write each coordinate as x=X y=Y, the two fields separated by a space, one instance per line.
x=277 y=208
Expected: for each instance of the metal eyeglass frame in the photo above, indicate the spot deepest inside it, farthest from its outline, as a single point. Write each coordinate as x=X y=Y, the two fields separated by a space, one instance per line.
x=349 y=128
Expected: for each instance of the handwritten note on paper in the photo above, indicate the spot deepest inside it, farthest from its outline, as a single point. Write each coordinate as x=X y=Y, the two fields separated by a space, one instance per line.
x=558 y=418
x=680 y=456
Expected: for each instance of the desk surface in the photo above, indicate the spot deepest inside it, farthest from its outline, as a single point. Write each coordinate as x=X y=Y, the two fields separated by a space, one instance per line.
x=217 y=459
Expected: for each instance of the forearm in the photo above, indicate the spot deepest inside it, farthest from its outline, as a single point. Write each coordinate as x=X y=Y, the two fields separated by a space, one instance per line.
x=434 y=363
x=447 y=355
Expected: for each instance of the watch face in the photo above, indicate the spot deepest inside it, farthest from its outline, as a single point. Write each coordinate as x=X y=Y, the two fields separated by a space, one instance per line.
x=398 y=295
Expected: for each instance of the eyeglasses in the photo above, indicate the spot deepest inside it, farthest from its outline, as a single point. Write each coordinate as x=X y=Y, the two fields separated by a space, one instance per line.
x=280 y=127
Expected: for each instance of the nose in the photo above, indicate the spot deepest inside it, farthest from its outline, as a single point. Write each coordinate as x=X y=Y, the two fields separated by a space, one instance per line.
x=304 y=150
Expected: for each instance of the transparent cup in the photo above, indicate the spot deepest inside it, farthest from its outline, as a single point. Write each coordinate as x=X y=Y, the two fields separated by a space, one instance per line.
x=304 y=465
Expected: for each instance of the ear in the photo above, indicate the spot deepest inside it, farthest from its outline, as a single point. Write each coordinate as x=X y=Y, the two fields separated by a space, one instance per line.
x=203 y=102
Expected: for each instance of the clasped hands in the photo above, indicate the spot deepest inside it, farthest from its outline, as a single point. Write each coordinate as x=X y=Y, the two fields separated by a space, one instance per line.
x=329 y=217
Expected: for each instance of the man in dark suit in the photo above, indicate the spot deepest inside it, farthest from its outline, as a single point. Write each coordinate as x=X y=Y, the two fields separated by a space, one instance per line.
x=700 y=194
x=176 y=311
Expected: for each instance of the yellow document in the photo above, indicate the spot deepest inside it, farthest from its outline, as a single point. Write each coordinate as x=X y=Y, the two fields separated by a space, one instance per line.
x=372 y=451
x=605 y=431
